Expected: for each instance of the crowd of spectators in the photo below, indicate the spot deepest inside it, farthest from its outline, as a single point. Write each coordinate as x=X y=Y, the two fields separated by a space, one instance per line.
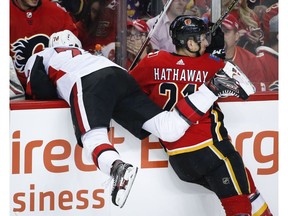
x=251 y=39
x=250 y=36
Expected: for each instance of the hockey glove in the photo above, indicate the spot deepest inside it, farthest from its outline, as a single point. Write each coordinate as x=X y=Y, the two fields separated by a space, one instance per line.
x=216 y=46
x=40 y=87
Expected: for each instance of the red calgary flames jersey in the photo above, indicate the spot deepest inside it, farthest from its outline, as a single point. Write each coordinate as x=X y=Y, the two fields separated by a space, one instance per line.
x=30 y=30
x=167 y=78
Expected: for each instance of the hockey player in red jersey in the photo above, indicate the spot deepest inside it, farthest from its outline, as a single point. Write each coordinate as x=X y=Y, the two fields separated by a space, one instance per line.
x=31 y=24
x=204 y=154
x=98 y=90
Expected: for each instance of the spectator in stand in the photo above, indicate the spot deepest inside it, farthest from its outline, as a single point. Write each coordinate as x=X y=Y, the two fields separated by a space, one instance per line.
x=31 y=25
x=269 y=13
x=199 y=8
x=137 y=31
x=137 y=9
x=244 y=59
x=98 y=25
x=254 y=3
x=133 y=11
x=251 y=34
x=161 y=39
x=260 y=10
x=268 y=57
x=74 y=7
x=193 y=11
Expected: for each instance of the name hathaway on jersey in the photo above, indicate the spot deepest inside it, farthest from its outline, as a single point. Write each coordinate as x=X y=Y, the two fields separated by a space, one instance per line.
x=174 y=74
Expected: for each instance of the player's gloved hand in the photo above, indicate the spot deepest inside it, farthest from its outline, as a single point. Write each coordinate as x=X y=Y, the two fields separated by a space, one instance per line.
x=40 y=87
x=216 y=46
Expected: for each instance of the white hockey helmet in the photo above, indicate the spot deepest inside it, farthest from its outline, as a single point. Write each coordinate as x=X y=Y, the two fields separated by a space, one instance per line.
x=64 y=38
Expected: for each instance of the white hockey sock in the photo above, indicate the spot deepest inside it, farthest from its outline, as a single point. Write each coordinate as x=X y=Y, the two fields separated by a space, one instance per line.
x=95 y=138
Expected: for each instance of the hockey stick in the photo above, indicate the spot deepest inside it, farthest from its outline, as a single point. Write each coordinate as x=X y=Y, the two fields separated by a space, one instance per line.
x=151 y=32
x=223 y=16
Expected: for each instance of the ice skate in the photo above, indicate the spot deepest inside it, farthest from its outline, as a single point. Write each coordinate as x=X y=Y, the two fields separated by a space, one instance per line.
x=231 y=81
x=124 y=175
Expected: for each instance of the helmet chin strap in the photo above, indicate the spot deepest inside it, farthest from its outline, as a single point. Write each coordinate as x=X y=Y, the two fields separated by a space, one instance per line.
x=194 y=52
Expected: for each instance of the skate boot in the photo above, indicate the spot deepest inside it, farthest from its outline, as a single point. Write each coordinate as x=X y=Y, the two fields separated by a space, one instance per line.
x=231 y=81
x=124 y=175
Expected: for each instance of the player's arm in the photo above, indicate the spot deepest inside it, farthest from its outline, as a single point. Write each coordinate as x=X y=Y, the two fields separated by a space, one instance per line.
x=39 y=86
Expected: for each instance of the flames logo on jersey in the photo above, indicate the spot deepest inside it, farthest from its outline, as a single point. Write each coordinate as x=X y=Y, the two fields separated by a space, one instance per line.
x=25 y=47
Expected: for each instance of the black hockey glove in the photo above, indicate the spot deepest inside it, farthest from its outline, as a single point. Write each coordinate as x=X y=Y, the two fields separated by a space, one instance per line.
x=42 y=87
x=216 y=46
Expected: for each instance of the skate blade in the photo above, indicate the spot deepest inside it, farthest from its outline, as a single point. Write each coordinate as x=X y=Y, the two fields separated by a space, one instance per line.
x=123 y=194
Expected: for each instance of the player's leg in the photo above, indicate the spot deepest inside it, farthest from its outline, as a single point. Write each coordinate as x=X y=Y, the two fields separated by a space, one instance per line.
x=259 y=205
x=220 y=170
x=108 y=160
x=229 y=180
x=91 y=116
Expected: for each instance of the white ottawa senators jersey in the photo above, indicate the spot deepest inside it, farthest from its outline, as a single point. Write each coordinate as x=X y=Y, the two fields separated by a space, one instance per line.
x=66 y=65
x=167 y=78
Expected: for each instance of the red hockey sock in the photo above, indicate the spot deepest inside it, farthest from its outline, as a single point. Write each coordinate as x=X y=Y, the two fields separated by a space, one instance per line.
x=259 y=206
x=251 y=181
x=237 y=205
x=99 y=150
